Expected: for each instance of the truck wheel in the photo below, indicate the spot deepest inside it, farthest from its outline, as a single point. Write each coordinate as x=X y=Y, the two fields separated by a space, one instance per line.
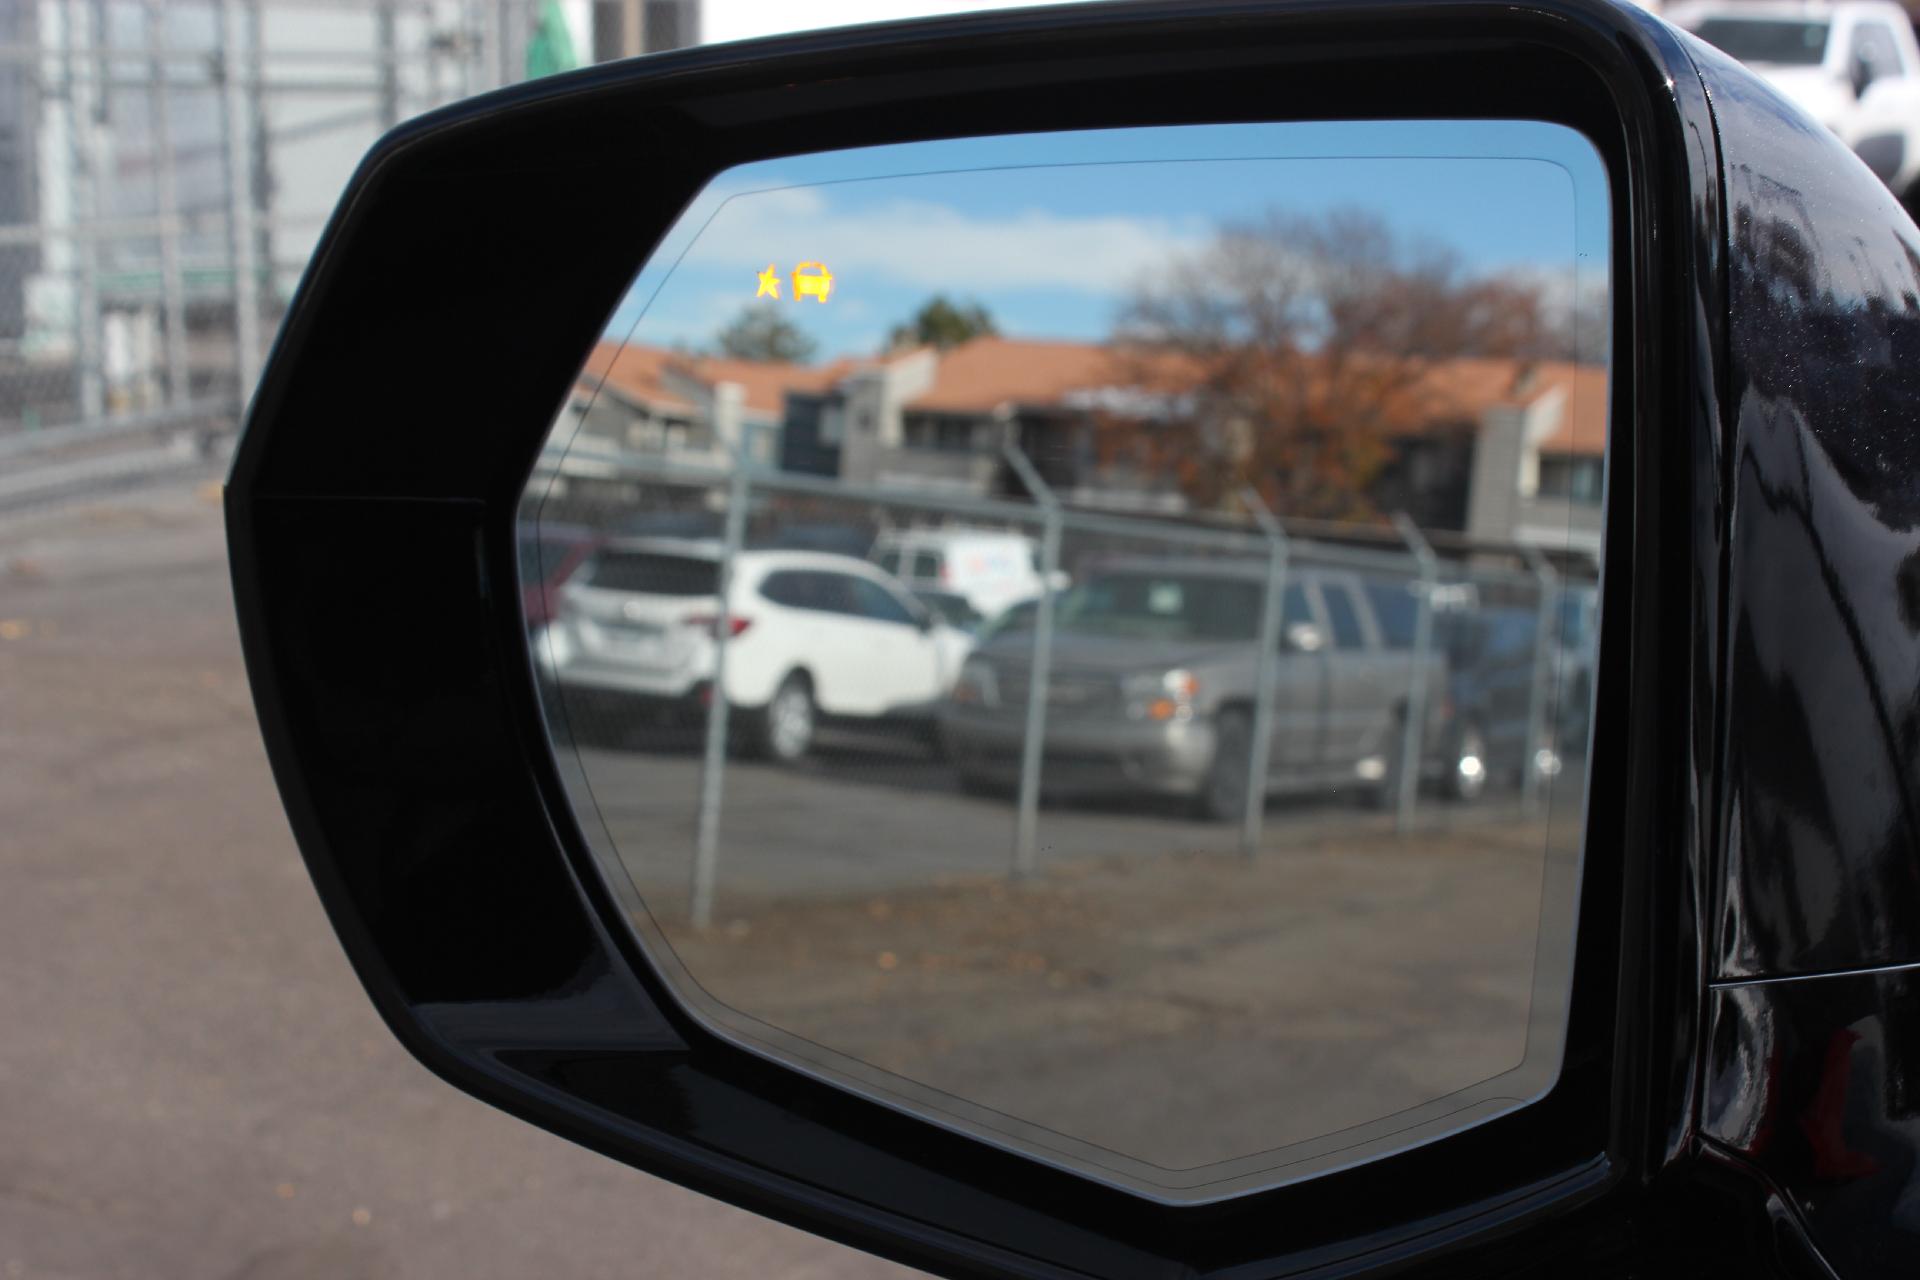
x=1223 y=796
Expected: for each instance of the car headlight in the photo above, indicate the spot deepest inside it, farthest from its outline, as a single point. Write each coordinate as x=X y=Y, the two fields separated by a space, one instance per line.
x=977 y=685
x=1161 y=695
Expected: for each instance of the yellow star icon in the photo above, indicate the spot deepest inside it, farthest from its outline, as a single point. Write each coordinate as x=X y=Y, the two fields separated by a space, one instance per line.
x=769 y=283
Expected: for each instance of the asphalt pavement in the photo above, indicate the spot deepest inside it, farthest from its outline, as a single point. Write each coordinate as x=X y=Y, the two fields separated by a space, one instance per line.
x=191 y=1082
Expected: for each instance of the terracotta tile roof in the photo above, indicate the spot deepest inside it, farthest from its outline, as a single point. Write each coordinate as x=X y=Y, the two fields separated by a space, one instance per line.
x=634 y=373
x=767 y=383
x=648 y=375
x=1453 y=394
x=986 y=373
x=1583 y=423
x=981 y=375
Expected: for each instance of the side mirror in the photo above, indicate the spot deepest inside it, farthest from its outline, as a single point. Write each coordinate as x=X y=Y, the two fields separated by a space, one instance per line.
x=1859 y=75
x=1043 y=1042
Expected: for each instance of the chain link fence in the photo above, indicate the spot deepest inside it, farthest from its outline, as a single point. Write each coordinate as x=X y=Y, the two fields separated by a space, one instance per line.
x=1254 y=684
x=166 y=168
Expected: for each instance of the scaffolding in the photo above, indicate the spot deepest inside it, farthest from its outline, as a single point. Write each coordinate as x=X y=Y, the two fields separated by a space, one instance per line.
x=166 y=168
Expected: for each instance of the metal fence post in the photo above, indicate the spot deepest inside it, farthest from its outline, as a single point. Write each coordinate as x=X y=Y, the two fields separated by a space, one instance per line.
x=1538 y=704
x=173 y=304
x=242 y=243
x=389 y=69
x=1413 y=732
x=1266 y=670
x=86 y=94
x=1032 y=747
x=706 y=854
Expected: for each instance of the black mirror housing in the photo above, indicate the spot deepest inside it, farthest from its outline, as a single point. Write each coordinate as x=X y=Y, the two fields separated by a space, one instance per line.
x=431 y=814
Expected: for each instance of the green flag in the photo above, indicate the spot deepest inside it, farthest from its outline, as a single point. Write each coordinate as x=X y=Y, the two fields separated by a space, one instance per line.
x=551 y=48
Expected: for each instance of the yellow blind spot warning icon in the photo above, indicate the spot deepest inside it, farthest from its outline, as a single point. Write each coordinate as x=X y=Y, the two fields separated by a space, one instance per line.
x=769 y=283
x=812 y=279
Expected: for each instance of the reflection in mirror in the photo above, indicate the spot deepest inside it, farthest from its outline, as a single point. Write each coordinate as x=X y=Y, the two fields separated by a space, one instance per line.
x=1089 y=638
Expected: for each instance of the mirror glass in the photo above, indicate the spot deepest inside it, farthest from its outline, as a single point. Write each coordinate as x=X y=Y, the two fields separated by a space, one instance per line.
x=1089 y=638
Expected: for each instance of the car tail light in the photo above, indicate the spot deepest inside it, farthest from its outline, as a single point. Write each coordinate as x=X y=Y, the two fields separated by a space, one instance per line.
x=710 y=623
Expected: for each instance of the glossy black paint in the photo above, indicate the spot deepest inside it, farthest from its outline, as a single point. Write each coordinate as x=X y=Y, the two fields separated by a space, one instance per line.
x=1812 y=1071
x=1816 y=1081
x=433 y=338
x=1821 y=797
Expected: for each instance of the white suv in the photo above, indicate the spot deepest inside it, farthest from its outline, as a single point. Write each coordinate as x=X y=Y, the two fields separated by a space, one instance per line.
x=1852 y=65
x=991 y=569
x=811 y=634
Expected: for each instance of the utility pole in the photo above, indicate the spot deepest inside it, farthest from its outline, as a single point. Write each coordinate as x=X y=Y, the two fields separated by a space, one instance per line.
x=386 y=51
x=260 y=180
x=242 y=245
x=173 y=304
x=83 y=87
x=510 y=44
x=491 y=35
x=619 y=29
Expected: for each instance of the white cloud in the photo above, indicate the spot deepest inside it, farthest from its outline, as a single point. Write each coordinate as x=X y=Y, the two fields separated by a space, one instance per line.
x=930 y=245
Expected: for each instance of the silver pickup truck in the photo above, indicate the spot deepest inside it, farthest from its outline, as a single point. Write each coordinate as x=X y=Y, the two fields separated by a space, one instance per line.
x=1151 y=686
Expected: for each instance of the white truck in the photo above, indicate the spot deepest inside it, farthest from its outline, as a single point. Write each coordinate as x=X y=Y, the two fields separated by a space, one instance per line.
x=992 y=569
x=1853 y=66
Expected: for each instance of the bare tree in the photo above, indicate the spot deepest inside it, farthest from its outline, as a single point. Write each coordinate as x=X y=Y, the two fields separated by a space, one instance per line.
x=1285 y=351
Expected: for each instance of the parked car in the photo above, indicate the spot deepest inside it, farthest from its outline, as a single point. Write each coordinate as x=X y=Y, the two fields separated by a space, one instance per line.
x=810 y=635
x=1492 y=674
x=953 y=608
x=1852 y=65
x=1151 y=688
x=1576 y=643
x=548 y=557
x=1012 y=618
x=991 y=569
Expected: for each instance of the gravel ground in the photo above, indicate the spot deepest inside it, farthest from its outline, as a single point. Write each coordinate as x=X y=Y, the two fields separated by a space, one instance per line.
x=191 y=1082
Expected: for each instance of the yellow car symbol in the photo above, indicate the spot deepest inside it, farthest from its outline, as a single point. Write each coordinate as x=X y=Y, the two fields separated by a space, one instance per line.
x=812 y=279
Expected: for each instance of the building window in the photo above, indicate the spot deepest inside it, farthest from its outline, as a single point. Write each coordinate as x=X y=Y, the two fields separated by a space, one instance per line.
x=1577 y=479
x=940 y=433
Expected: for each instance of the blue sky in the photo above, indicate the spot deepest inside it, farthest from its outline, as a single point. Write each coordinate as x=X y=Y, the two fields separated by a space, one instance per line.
x=1053 y=231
